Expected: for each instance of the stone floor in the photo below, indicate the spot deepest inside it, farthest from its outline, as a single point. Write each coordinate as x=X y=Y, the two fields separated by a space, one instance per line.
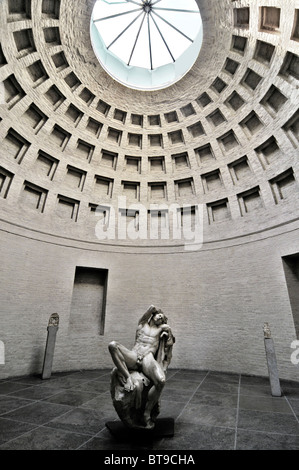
x=212 y=411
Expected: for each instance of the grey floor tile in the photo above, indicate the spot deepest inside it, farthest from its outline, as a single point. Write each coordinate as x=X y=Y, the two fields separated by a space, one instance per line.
x=254 y=380
x=36 y=393
x=250 y=440
x=221 y=377
x=255 y=390
x=9 y=403
x=171 y=409
x=38 y=412
x=102 y=403
x=71 y=397
x=294 y=403
x=198 y=437
x=218 y=387
x=291 y=392
x=196 y=414
x=267 y=422
x=173 y=394
x=63 y=382
x=81 y=420
x=180 y=385
x=10 y=429
x=30 y=380
x=44 y=438
x=10 y=387
x=94 y=386
x=277 y=404
x=215 y=399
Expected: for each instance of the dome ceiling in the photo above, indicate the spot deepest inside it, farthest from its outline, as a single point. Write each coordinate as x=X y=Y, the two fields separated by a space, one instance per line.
x=224 y=137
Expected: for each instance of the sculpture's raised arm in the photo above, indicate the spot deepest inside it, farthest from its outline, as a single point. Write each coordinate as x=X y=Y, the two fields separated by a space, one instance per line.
x=147 y=315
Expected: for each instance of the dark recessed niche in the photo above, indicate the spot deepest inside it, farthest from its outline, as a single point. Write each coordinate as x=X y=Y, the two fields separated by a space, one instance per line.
x=88 y=307
x=46 y=165
x=188 y=110
x=184 y=187
x=218 y=211
x=52 y=35
x=284 y=186
x=67 y=208
x=114 y=135
x=290 y=66
x=72 y=81
x=36 y=117
x=51 y=8
x=239 y=169
x=203 y=100
x=60 y=136
x=135 y=140
x=269 y=19
x=37 y=72
x=103 y=107
x=74 y=114
x=19 y=10
x=171 y=117
x=6 y=178
x=157 y=191
x=268 y=151
x=250 y=201
x=131 y=189
x=133 y=163
x=228 y=141
x=109 y=159
x=85 y=149
x=231 y=66
x=291 y=128
x=274 y=99
x=103 y=186
x=196 y=130
x=239 y=44
x=295 y=31
x=54 y=96
x=251 y=79
x=94 y=126
x=156 y=164
x=137 y=119
x=13 y=92
x=3 y=60
x=16 y=145
x=60 y=61
x=205 y=154
x=180 y=161
x=75 y=177
x=154 y=120
x=155 y=140
x=216 y=117
x=212 y=181
x=235 y=101
x=218 y=85
x=241 y=17
x=24 y=41
x=33 y=196
x=120 y=115
x=87 y=96
x=263 y=52
x=176 y=137
x=251 y=123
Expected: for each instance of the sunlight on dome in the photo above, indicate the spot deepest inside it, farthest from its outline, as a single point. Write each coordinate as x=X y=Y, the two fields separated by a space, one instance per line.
x=147 y=44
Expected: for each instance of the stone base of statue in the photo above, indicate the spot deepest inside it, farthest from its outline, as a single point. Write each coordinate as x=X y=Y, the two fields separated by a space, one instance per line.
x=164 y=427
x=131 y=405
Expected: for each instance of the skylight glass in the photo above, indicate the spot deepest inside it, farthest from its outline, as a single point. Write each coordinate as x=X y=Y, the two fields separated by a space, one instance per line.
x=146 y=44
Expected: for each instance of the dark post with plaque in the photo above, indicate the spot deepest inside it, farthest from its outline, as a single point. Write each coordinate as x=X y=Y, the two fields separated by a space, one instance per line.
x=271 y=362
x=50 y=345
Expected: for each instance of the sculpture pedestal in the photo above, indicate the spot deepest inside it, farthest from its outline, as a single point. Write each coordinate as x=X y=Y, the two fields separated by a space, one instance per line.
x=164 y=428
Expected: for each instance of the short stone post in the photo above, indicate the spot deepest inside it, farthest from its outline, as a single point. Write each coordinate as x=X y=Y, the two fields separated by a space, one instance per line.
x=50 y=345
x=271 y=362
